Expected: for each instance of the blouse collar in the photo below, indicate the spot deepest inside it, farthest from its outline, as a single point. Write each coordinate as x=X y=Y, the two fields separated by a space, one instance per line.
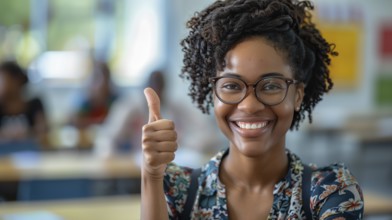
x=210 y=174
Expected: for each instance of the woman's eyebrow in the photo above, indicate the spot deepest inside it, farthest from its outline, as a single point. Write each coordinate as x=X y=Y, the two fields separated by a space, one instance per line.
x=265 y=75
x=273 y=74
x=236 y=75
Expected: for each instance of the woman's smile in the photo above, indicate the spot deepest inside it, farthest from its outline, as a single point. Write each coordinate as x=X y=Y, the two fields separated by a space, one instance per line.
x=250 y=127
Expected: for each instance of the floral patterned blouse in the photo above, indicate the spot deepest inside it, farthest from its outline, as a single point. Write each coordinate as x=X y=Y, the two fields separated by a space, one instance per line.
x=335 y=194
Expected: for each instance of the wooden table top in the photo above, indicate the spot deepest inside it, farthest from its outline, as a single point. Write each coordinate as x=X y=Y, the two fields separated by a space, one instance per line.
x=113 y=208
x=376 y=204
x=66 y=165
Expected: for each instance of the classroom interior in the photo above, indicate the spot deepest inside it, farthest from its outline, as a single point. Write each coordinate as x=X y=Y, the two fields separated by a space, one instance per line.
x=89 y=168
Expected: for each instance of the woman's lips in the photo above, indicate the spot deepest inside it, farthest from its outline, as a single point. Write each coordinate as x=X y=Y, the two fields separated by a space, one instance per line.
x=251 y=125
x=250 y=129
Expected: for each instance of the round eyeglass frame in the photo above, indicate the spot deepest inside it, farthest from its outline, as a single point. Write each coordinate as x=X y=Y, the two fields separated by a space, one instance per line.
x=288 y=81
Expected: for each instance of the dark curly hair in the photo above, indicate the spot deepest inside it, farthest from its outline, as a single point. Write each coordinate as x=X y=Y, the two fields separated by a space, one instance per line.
x=12 y=69
x=286 y=24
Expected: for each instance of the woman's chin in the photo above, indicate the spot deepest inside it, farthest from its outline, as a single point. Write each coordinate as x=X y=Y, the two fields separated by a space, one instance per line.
x=252 y=149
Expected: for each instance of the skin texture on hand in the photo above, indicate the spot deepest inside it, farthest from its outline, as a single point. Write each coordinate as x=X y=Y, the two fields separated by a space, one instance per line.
x=153 y=102
x=159 y=143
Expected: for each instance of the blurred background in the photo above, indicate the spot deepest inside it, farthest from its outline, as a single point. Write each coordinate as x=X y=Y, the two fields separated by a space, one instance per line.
x=72 y=75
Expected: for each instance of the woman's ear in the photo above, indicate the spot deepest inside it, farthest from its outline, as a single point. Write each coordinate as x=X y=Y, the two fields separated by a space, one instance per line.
x=299 y=96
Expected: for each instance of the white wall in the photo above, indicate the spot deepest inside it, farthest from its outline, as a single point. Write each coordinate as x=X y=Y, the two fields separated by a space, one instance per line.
x=339 y=104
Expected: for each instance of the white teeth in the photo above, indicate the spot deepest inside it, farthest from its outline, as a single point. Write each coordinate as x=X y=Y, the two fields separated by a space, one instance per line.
x=247 y=125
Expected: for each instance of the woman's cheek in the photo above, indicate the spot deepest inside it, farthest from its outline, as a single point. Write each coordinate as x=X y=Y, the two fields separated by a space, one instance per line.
x=285 y=113
x=222 y=112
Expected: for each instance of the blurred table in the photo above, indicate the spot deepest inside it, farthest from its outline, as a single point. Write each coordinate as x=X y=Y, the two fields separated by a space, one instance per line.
x=113 y=208
x=128 y=208
x=62 y=165
x=377 y=205
x=31 y=176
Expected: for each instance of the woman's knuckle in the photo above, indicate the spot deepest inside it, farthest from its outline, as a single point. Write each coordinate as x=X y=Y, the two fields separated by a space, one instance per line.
x=172 y=156
x=146 y=139
x=145 y=127
x=146 y=146
x=174 y=134
x=171 y=124
x=148 y=158
x=175 y=146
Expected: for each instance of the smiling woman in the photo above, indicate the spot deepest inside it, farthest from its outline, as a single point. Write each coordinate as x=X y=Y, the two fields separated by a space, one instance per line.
x=253 y=60
x=262 y=65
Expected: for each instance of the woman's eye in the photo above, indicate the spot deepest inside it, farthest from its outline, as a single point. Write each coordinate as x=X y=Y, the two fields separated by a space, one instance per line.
x=231 y=86
x=272 y=87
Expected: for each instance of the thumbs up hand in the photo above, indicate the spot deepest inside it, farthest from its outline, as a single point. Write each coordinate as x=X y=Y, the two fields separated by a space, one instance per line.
x=159 y=139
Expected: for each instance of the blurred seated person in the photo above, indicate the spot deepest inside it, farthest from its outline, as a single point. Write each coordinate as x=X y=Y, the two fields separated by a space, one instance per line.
x=21 y=118
x=121 y=132
x=93 y=106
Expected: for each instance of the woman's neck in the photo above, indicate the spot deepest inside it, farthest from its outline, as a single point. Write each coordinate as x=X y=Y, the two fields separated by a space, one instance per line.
x=254 y=174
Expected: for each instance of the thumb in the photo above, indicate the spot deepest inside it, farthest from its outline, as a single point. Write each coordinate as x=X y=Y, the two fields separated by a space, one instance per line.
x=153 y=105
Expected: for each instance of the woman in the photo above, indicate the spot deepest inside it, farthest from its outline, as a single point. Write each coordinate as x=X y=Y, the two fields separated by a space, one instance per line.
x=21 y=118
x=262 y=65
x=94 y=106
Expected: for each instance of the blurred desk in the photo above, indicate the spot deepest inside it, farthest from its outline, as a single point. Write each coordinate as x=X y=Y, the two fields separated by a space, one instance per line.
x=113 y=208
x=38 y=176
x=62 y=165
x=128 y=207
x=377 y=205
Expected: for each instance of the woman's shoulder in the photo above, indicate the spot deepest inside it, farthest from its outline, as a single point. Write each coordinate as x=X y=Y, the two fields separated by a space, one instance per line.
x=176 y=183
x=337 y=174
x=335 y=191
x=34 y=106
x=177 y=174
x=35 y=103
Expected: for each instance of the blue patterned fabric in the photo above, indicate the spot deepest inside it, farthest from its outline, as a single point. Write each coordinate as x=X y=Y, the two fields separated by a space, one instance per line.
x=335 y=194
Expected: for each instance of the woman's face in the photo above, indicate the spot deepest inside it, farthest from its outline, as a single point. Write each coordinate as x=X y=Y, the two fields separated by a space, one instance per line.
x=252 y=60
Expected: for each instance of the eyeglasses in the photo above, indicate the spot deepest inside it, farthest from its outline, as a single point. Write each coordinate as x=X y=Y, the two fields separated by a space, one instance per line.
x=269 y=91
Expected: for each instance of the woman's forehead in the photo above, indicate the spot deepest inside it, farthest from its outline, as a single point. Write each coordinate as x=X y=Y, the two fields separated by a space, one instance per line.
x=254 y=57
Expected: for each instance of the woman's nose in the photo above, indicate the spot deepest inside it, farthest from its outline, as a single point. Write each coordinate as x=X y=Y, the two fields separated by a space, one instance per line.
x=250 y=104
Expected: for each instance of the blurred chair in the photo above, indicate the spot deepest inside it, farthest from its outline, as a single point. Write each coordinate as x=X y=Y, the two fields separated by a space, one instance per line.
x=43 y=189
x=8 y=191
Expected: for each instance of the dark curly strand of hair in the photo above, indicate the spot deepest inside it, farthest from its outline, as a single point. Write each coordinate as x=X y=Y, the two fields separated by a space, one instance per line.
x=15 y=71
x=286 y=24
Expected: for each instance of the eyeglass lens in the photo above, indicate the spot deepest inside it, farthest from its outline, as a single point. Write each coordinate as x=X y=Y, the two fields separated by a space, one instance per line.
x=269 y=91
